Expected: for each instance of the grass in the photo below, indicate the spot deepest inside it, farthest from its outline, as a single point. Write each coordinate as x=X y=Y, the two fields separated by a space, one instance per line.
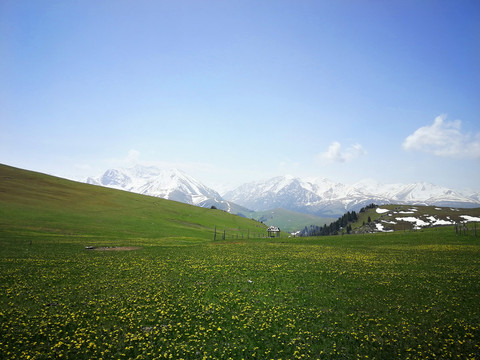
x=412 y=295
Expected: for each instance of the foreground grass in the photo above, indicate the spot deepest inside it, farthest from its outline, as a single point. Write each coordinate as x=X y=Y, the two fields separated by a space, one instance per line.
x=414 y=295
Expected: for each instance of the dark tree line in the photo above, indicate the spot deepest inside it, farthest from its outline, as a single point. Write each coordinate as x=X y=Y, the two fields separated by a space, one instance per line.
x=371 y=206
x=334 y=227
x=342 y=225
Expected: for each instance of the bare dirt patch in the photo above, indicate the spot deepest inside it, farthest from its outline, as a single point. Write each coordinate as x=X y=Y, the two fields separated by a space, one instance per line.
x=113 y=248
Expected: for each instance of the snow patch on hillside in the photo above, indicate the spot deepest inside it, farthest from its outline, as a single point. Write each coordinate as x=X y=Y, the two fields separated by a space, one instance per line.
x=416 y=221
x=438 y=222
x=380 y=228
x=469 y=218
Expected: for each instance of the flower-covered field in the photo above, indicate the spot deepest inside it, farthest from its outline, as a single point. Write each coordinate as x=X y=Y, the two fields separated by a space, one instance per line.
x=409 y=295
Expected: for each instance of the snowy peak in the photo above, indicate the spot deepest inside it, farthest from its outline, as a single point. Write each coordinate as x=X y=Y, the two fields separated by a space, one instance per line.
x=279 y=192
x=172 y=184
x=125 y=179
x=114 y=177
x=418 y=193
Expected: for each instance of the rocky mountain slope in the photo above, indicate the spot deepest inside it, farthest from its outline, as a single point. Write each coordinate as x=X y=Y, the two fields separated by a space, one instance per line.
x=323 y=197
x=171 y=184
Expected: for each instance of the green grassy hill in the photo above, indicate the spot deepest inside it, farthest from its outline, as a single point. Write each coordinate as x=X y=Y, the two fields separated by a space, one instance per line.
x=34 y=206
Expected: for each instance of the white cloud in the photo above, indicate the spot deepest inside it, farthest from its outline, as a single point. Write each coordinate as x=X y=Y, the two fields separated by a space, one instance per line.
x=444 y=138
x=335 y=153
x=132 y=156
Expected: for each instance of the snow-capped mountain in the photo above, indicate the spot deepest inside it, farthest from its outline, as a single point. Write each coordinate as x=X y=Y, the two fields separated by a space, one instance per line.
x=171 y=184
x=279 y=192
x=323 y=197
x=320 y=197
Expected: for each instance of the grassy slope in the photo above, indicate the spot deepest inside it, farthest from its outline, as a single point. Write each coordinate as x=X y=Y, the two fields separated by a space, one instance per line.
x=34 y=204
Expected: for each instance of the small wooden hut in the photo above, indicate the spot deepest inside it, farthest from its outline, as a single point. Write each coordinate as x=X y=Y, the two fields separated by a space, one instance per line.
x=273 y=231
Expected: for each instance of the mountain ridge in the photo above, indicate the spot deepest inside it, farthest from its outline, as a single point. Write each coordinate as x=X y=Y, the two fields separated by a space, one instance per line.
x=170 y=184
x=319 y=196
x=323 y=197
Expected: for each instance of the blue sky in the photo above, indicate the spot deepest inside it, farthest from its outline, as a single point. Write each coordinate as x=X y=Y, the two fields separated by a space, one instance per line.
x=236 y=91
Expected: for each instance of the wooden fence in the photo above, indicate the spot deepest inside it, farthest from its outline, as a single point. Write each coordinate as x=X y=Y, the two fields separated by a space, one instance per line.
x=464 y=228
x=236 y=234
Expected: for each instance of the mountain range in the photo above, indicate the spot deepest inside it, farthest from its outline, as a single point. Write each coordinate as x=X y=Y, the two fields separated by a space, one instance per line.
x=326 y=198
x=320 y=197
x=171 y=184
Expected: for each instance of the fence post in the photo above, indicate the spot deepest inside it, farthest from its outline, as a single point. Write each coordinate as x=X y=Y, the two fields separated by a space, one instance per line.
x=215 y=236
x=223 y=235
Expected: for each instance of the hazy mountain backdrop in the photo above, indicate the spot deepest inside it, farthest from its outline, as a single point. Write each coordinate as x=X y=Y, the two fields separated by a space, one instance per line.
x=320 y=197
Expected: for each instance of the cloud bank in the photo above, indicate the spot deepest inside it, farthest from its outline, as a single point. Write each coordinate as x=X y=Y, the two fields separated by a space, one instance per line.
x=335 y=153
x=444 y=138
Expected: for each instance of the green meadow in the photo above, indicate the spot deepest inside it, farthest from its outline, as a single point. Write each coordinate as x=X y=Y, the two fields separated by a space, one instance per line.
x=180 y=294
